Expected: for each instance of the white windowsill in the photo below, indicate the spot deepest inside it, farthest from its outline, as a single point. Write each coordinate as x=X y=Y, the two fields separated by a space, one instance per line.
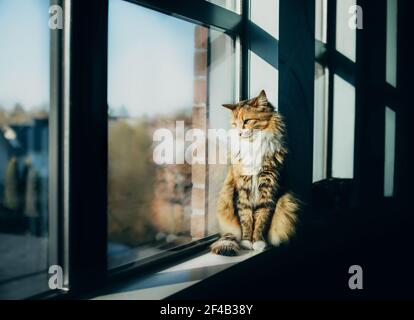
x=174 y=279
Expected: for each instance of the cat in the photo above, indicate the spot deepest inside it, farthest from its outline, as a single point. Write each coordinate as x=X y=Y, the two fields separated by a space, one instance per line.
x=253 y=211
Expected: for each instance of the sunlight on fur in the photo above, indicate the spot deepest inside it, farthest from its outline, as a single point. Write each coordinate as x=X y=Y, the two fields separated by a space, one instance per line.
x=253 y=209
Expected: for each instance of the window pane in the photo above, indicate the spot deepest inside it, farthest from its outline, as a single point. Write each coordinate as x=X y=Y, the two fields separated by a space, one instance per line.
x=343 y=129
x=263 y=76
x=391 y=68
x=321 y=7
x=345 y=35
x=389 y=163
x=24 y=117
x=173 y=76
x=222 y=87
x=320 y=123
x=265 y=14
x=233 y=5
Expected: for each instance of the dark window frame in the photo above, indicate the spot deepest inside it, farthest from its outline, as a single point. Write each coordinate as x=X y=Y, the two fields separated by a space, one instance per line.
x=79 y=147
x=372 y=95
x=328 y=57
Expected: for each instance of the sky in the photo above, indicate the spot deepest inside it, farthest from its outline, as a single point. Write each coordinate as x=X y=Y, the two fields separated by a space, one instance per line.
x=150 y=57
x=150 y=60
x=24 y=53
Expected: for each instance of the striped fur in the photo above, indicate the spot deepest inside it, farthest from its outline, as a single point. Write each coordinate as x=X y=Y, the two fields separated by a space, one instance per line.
x=252 y=208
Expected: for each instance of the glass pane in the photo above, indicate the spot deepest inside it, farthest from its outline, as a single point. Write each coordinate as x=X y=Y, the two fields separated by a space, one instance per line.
x=391 y=68
x=166 y=77
x=24 y=116
x=343 y=129
x=222 y=87
x=389 y=163
x=233 y=5
x=345 y=35
x=265 y=14
x=263 y=76
x=321 y=7
x=320 y=131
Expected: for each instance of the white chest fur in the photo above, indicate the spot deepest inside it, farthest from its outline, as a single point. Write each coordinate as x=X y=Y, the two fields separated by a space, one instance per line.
x=250 y=153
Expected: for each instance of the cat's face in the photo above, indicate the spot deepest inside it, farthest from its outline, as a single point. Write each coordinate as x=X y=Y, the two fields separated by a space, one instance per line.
x=250 y=116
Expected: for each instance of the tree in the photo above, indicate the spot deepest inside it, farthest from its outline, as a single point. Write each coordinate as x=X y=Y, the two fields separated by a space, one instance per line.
x=19 y=115
x=3 y=117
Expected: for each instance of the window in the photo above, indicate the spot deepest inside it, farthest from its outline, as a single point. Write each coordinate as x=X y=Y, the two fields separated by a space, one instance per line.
x=25 y=246
x=168 y=75
x=233 y=5
x=391 y=97
x=263 y=76
x=343 y=129
x=345 y=35
x=389 y=163
x=320 y=123
x=391 y=51
x=335 y=96
x=264 y=16
x=321 y=9
x=169 y=69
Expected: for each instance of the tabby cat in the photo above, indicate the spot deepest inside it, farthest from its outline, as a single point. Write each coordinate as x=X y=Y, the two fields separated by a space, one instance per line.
x=253 y=210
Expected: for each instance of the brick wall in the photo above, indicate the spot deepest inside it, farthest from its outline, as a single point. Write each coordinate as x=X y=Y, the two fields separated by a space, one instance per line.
x=199 y=171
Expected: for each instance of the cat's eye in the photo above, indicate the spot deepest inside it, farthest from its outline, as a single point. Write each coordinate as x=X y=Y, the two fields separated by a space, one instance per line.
x=249 y=121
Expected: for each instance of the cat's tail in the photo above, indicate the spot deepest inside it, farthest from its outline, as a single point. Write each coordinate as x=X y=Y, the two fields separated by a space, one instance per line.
x=227 y=245
x=284 y=219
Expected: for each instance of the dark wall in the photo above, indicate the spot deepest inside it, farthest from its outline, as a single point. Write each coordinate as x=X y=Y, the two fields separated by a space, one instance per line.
x=296 y=93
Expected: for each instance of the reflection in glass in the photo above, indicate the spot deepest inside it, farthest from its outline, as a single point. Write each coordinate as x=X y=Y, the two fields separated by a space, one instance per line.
x=265 y=14
x=320 y=123
x=345 y=35
x=389 y=163
x=24 y=117
x=343 y=129
x=222 y=87
x=165 y=70
x=391 y=53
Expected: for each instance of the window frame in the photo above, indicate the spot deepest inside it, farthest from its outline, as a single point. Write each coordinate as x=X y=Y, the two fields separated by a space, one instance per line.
x=372 y=94
x=55 y=216
x=329 y=57
x=79 y=195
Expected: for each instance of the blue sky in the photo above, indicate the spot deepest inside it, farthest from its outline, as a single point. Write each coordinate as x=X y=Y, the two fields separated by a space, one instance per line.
x=150 y=57
x=150 y=60
x=24 y=53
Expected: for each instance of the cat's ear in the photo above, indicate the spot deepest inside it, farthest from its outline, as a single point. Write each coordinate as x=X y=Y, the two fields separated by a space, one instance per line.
x=262 y=99
x=230 y=106
x=262 y=102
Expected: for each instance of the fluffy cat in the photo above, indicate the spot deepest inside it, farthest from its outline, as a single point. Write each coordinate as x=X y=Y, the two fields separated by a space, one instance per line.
x=253 y=210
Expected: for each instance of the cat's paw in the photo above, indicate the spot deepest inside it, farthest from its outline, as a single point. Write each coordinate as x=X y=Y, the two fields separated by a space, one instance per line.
x=259 y=246
x=246 y=244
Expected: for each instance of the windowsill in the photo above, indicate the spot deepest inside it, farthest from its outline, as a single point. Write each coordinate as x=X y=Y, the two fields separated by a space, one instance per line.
x=167 y=282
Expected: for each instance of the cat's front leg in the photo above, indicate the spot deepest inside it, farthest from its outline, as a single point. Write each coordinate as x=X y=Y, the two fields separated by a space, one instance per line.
x=264 y=209
x=245 y=213
x=262 y=217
